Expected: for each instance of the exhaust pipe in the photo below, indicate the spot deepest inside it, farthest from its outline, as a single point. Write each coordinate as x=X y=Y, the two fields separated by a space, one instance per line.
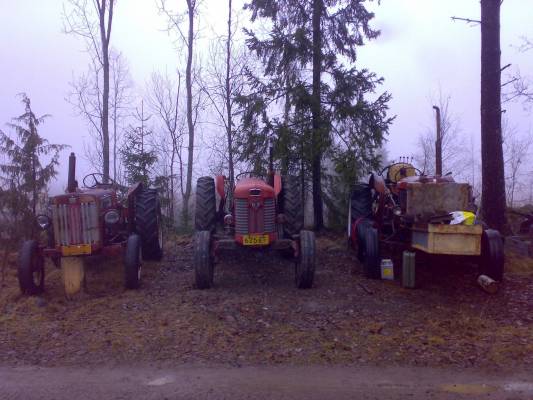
x=438 y=145
x=72 y=184
x=270 y=173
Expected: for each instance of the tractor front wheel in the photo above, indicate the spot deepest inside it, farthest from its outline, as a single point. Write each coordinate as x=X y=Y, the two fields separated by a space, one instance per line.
x=360 y=232
x=31 y=268
x=492 y=254
x=132 y=262
x=371 y=257
x=203 y=261
x=305 y=265
x=148 y=224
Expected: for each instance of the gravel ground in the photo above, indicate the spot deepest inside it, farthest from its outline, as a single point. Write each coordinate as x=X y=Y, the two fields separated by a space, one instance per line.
x=254 y=316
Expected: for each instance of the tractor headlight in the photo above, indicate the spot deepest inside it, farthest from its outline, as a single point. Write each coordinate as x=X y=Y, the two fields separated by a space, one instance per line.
x=111 y=217
x=43 y=221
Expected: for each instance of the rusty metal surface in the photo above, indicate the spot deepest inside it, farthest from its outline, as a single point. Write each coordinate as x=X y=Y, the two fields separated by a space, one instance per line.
x=426 y=200
x=448 y=239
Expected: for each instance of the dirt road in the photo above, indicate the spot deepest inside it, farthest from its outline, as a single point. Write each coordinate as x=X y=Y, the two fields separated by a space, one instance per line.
x=30 y=383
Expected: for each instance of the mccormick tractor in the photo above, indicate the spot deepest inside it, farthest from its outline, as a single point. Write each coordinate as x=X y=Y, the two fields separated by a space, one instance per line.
x=405 y=209
x=102 y=218
x=257 y=214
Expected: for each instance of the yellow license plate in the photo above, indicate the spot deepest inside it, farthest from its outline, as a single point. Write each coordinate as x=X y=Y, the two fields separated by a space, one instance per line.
x=76 y=250
x=254 y=240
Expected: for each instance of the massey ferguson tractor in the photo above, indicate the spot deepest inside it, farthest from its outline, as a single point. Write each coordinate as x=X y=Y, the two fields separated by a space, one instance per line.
x=102 y=218
x=401 y=208
x=257 y=214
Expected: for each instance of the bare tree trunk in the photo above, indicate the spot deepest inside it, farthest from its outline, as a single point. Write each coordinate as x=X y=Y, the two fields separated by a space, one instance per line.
x=228 y=101
x=105 y=35
x=492 y=166
x=315 y=110
x=190 y=123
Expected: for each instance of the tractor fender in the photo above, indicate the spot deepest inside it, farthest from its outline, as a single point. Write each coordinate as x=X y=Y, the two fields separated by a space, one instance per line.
x=132 y=190
x=219 y=185
x=277 y=184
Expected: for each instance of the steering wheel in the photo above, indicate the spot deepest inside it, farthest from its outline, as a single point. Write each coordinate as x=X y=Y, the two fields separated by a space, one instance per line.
x=249 y=174
x=97 y=180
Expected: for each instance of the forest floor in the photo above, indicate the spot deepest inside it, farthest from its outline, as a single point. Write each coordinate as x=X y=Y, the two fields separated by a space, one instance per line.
x=255 y=317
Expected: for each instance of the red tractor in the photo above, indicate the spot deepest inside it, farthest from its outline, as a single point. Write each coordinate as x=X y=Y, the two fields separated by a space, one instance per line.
x=255 y=214
x=100 y=219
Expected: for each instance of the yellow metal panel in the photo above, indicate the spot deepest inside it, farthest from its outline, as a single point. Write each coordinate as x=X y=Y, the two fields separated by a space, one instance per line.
x=76 y=250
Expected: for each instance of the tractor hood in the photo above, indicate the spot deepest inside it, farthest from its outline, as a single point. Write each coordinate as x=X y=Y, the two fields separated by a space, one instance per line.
x=253 y=187
x=96 y=194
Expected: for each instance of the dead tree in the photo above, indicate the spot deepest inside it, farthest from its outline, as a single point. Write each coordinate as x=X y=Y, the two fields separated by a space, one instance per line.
x=188 y=39
x=164 y=101
x=93 y=21
x=515 y=150
x=223 y=80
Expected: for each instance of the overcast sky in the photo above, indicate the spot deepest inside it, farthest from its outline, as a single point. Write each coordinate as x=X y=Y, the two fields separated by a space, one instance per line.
x=420 y=50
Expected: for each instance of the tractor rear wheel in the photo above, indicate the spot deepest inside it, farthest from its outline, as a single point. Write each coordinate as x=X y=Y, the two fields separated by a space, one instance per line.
x=205 y=211
x=492 y=254
x=31 y=269
x=293 y=209
x=132 y=262
x=305 y=265
x=148 y=224
x=371 y=263
x=203 y=262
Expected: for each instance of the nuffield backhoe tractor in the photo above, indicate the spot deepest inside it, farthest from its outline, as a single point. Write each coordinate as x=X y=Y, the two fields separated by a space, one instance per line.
x=103 y=218
x=259 y=214
x=403 y=208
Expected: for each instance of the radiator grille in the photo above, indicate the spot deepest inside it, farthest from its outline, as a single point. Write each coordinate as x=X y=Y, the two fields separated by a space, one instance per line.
x=241 y=216
x=269 y=216
x=75 y=223
x=266 y=213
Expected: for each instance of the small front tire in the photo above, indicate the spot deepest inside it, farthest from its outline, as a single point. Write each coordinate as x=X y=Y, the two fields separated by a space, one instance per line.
x=31 y=269
x=132 y=262
x=305 y=265
x=371 y=262
x=203 y=260
x=492 y=255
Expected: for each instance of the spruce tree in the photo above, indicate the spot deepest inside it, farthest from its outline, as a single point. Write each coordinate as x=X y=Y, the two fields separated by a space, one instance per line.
x=138 y=157
x=24 y=174
x=330 y=107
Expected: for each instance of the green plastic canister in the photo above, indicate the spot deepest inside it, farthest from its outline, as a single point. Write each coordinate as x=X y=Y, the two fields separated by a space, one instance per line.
x=408 y=270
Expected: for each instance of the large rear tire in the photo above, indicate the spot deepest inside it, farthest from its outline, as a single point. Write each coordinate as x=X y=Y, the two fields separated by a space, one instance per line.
x=293 y=209
x=371 y=263
x=305 y=265
x=31 y=269
x=205 y=209
x=203 y=261
x=132 y=262
x=492 y=258
x=148 y=224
